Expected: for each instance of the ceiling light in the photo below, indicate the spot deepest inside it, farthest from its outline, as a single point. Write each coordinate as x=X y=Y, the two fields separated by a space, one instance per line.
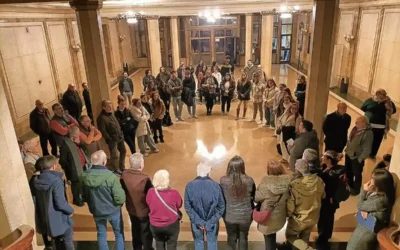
x=132 y=20
x=296 y=7
x=211 y=19
x=200 y=14
x=130 y=13
x=216 y=13
x=283 y=8
x=286 y=15
x=207 y=13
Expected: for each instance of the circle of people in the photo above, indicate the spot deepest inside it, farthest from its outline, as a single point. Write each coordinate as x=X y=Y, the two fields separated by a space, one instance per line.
x=316 y=187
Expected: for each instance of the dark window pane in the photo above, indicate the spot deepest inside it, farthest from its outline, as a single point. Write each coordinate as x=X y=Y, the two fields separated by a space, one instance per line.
x=202 y=21
x=220 y=44
x=285 y=42
x=274 y=43
x=220 y=33
x=195 y=34
x=286 y=29
x=229 y=33
x=193 y=21
x=205 y=33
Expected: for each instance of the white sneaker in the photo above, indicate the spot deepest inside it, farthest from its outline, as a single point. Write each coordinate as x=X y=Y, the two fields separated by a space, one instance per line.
x=145 y=154
x=195 y=117
x=155 y=151
x=177 y=119
x=180 y=119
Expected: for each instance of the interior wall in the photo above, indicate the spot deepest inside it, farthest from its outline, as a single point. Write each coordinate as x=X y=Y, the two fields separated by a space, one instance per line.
x=116 y=54
x=127 y=53
x=300 y=40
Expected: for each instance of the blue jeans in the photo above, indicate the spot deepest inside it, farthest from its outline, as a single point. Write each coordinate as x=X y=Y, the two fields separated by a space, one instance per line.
x=117 y=226
x=192 y=109
x=269 y=116
x=212 y=237
x=177 y=104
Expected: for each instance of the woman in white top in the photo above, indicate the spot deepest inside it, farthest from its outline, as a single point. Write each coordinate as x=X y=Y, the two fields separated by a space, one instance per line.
x=218 y=76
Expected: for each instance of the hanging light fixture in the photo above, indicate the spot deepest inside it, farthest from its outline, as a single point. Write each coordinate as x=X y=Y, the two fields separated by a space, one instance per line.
x=210 y=15
x=132 y=20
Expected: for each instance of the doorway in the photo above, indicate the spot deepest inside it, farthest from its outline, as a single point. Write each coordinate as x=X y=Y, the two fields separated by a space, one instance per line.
x=286 y=38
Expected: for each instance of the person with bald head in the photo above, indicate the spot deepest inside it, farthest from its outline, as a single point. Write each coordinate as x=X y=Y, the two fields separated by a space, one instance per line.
x=336 y=127
x=39 y=122
x=357 y=150
x=72 y=102
x=109 y=127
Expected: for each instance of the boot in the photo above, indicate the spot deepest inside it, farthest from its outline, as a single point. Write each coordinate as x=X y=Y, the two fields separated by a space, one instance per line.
x=237 y=114
x=161 y=138
x=244 y=113
x=155 y=138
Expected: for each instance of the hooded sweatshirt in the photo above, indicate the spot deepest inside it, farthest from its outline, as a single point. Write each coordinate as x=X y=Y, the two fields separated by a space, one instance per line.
x=102 y=191
x=304 y=202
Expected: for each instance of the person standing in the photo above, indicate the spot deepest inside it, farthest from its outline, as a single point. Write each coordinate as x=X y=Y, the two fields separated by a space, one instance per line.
x=269 y=96
x=128 y=124
x=249 y=70
x=73 y=161
x=147 y=78
x=181 y=71
x=209 y=86
x=376 y=110
x=104 y=195
x=243 y=90
x=257 y=53
x=165 y=96
x=303 y=206
x=86 y=99
x=136 y=185
x=189 y=88
x=61 y=123
x=126 y=88
x=273 y=190
x=357 y=151
x=336 y=126
x=112 y=134
x=300 y=93
x=258 y=91
x=52 y=210
x=158 y=115
x=238 y=189
x=227 y=88
x=162 y=77
x=227 y=67
x=89 y=135
x=175 y=87
x=205 y=205
x=216 y=73
x=164 y=203
x=39 y=122
x=201 y=67
x=72 y=102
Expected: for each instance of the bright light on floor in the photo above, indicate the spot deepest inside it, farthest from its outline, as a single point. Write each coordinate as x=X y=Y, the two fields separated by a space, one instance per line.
x=218 y=152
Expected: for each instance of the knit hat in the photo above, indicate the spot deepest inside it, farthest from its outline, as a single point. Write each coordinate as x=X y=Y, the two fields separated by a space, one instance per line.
x=302 y=166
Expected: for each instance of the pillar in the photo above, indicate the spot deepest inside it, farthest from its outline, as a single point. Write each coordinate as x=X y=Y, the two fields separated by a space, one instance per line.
x=267 y=30
x=395 y=168
x=248 y=44
x=92 y=44
x=16 y=204
x=175 y=42
x=154 y=45
x=322 y=41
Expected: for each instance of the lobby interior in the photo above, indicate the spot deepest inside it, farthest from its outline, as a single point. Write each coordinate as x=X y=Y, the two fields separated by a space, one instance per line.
x=45 y=45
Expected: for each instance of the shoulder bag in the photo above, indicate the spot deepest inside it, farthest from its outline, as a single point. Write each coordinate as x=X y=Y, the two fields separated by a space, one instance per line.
x=177 y=213
x=262 y=217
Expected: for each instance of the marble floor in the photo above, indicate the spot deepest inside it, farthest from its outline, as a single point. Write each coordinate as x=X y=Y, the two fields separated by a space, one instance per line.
x=216 y=139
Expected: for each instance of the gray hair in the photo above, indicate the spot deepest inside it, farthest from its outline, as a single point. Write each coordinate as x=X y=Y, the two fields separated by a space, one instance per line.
x=302 y=166
x=161 y=180
x=310 y=155
x=136 y=161
x=98 y=158
x=203 y=169
x=72 y=132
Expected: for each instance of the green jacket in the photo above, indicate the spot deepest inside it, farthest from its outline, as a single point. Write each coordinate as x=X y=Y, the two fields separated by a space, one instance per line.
x=360 y=146
x=102 y=191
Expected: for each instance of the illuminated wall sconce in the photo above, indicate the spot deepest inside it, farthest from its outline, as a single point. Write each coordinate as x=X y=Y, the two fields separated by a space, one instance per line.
x=121 y=38
x=76 y=47
x=348 y=38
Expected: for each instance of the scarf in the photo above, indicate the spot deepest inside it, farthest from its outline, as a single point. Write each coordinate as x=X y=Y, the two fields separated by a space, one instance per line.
x=356 y=132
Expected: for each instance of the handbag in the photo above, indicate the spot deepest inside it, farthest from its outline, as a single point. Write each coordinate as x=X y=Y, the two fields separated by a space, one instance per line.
x=262 y=217
x=178 y=214
x=369 y=222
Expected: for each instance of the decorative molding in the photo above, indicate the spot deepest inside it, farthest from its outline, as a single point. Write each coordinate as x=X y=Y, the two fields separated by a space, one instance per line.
x=86 y=5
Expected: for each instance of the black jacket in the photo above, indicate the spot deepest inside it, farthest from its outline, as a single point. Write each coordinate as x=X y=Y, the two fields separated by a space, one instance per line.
x=243 y=89
x=333 y=183
x=231 y=89
x=109 y=128
x=121 y=85
x=70 y=160
x=336 y=128
x=164 y=95
x=147 y=106
x=73 y=103
x=126 y=120
x=88 y=104
x=40 y=121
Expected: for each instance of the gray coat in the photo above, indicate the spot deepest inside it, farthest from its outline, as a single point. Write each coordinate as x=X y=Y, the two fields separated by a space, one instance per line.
x=360 y=146
x=304 y=141
x=175 y=87
x=376 y=205
x=268 y=192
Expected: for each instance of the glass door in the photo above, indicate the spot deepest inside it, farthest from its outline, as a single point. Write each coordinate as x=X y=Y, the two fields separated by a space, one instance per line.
x=286 y=38
x=200 y=46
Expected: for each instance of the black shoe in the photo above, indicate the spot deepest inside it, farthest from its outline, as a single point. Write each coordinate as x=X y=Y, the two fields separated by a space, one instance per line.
x=156 y=141
x=161 y=140
x=284 y=246
x=79 y=203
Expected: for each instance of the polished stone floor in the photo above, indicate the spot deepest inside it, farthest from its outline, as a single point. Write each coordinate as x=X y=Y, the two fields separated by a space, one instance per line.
x=216 y=139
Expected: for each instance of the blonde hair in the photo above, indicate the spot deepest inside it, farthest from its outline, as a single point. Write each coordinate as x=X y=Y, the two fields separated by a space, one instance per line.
x=161 y=180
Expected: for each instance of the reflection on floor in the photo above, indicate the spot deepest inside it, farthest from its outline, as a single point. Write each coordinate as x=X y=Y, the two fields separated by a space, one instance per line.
x=217 y=138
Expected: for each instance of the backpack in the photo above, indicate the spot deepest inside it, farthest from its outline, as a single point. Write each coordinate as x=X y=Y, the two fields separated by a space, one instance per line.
x=343 y=189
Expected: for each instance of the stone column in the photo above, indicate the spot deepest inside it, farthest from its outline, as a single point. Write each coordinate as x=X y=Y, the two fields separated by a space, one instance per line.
x=16 y=205
x=395 y=168
x=267 y=29
x=154 y=45
x=322 y=41
x=92 y=44
x=175 y=42
x=248 y=43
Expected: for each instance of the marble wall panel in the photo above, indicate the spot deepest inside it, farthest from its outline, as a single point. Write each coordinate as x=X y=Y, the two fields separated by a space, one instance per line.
x=126 y=43
x=77 y=41
x=116 y=57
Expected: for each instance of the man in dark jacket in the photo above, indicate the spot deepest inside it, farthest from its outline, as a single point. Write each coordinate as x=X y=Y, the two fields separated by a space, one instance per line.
x=52 y=210
x=73 y=161
x=112 y=134
x=205 y=205
x=86 y=98
x=126 y=87
x=39 y=121
x=72 y=102
x=336 y=127
x=104 y=195
x=227 y=67
x=61 y=123
x=307 y=139
x=136 y=185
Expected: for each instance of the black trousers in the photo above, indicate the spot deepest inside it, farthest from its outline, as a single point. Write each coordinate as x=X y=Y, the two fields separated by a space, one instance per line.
x=270 y=241
x=325 y=223
x=166 y=237
x=44 y=139
x=131 y=141
x=210 y=103
x=167 y=118
x=141 y=233
x=354 y=170
x=226 y=101
x=76 y=189
x=157 y=129
x=335 y=145
x=201 y=96
x=237 y=233
x=376 y=143
x=117 y=162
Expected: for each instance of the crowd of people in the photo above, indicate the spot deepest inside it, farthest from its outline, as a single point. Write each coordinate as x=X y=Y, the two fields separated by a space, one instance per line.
x=316 y=186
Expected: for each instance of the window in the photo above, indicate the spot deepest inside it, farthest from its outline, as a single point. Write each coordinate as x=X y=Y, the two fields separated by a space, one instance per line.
x=219 y=44
x=286 y=39
x=200 y=45
x=182 y=40
x=141 y=38
x=242 y=45
x=286 y=29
